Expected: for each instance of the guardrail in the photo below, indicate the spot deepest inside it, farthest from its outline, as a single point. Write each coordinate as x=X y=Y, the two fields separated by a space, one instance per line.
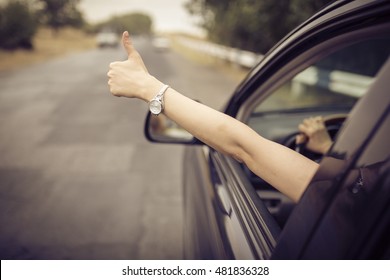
x=335 y=81
x=235 y=56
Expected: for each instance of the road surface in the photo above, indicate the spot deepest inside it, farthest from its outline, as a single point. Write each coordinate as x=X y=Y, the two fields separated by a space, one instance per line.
x=77 y=178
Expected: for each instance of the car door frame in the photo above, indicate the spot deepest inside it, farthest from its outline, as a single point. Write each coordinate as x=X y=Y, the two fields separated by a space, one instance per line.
x=294 y=53
x=211 y=236
x=306 y=235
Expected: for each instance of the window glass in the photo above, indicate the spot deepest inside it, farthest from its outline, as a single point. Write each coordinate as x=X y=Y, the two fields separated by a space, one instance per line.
x=340 y=79
x=379 y=149
x=355 y=210
x=329 y=87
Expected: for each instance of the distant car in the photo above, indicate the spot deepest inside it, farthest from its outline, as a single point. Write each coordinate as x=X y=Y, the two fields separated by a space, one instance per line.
x=107 y=39
x=335 y=65
x=161 y=43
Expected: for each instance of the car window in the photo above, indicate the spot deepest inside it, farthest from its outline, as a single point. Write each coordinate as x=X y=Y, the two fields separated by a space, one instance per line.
x=339 y=79
x=329 y=86
x=359 y=205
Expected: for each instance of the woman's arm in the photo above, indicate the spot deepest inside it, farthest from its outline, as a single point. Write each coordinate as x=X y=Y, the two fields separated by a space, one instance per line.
x=283 y=168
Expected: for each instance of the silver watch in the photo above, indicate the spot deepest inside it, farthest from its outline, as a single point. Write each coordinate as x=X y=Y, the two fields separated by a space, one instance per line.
x=156 y=105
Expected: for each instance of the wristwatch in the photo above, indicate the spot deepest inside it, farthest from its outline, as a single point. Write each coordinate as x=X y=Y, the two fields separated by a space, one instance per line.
x=156 y=105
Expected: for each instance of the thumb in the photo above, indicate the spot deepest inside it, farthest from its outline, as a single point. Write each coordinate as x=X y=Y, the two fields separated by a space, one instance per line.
x=131 y=51
x=127 y=44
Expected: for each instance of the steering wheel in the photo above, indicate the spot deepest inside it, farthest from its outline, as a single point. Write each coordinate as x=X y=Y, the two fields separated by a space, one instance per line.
x=332 y=123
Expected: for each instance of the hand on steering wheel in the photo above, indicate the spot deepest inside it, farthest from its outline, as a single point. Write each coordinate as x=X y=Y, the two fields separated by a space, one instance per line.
x=300 y=141
x=314 y=134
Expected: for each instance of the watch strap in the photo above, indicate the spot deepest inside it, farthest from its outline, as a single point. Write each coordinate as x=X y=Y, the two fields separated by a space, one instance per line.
x=159 y=97
x=161 y=93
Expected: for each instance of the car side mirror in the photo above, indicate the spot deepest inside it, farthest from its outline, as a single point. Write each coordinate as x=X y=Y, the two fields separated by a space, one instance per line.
x=160 y=129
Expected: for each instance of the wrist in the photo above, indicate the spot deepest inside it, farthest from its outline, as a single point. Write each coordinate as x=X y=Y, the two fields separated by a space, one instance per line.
x=326 y=146
x=150 y=88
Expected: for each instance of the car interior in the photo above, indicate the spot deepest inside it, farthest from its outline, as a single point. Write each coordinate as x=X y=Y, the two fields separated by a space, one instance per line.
x=329 y=87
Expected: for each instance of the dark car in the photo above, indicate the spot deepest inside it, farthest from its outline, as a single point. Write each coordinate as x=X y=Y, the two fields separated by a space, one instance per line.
x=336 y=65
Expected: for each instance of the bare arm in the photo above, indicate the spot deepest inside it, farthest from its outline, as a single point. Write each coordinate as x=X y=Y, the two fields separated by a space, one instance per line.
x=283 y=168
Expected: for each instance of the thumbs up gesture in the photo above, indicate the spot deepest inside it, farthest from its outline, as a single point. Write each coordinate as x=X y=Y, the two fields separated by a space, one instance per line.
x=132 y=53
x=130 y=78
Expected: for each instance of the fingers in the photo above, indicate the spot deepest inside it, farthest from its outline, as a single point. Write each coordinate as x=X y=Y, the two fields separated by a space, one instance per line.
x=112 y=86
x=127 y=44
x=310 y=126
x=311 y=121
x=305 y=128
x=300 y=139
x=123 y=75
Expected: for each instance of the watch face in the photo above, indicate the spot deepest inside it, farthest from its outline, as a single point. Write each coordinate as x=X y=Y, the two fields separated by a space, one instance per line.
x=155 y=107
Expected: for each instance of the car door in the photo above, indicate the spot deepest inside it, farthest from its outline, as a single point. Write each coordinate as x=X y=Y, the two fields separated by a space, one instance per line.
x=247 y=229
x=345 y=212
x=229 y=212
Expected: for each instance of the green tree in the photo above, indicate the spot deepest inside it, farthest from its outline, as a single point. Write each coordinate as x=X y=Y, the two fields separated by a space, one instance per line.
x=18 y=24
x=254 y=25
x=60 y=13
x=135 y=23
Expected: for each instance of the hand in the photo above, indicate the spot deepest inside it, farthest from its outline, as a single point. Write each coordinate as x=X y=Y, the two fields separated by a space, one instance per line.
x=130 y=78
x=315 y=134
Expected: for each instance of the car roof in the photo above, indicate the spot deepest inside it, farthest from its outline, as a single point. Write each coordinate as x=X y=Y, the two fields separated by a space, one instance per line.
x=338 y=16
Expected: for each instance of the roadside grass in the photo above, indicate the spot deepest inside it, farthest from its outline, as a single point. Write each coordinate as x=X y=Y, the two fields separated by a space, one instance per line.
x=47 y=45
x=236 y=72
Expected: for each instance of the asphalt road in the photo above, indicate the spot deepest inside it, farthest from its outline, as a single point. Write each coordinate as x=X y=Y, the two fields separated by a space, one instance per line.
x=77 y=178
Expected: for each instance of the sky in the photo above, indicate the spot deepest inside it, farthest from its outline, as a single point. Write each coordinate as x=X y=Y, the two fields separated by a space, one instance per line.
x=167 y=15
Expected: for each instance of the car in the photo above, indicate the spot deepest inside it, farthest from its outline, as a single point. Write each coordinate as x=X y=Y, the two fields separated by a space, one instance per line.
x=161 y=43
x=336 y=64
x=107 y=39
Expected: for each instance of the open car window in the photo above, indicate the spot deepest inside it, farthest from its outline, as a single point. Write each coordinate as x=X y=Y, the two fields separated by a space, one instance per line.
x=330 y=86
x=336 y=80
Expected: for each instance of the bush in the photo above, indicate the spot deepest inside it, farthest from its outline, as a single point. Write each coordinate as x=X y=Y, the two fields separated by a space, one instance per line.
x=17 y=26
x=135 y=23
